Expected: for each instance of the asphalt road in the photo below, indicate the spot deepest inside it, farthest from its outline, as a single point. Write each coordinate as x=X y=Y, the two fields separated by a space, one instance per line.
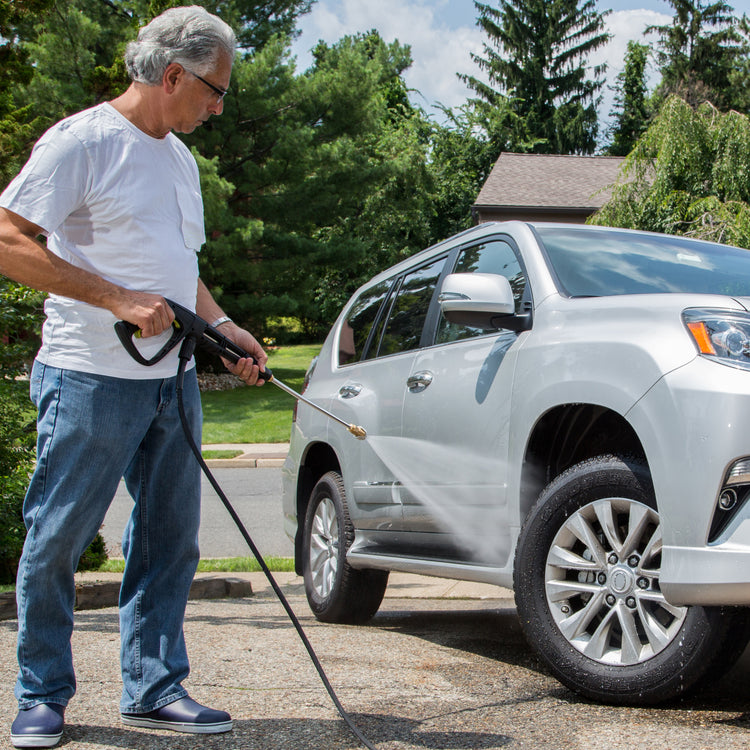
x=254 y=493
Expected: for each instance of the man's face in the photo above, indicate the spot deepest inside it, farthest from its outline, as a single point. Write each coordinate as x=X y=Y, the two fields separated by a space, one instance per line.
x=197 y=97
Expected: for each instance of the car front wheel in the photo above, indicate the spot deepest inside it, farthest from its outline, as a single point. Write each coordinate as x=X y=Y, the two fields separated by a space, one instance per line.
x=587 y=571
x=336 y=592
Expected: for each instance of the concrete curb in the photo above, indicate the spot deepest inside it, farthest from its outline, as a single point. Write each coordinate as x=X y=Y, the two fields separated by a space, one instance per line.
x=254 y=456
x=100 y=594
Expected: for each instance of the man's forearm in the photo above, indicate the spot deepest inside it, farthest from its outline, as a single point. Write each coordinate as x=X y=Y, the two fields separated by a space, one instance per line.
x=206 y=306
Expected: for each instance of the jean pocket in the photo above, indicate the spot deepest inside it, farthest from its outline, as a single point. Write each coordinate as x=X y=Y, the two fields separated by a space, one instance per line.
x=191 y=210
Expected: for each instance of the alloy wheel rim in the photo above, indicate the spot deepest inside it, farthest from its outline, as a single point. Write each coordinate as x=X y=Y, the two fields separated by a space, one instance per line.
x=602 y=583
x=324 y=548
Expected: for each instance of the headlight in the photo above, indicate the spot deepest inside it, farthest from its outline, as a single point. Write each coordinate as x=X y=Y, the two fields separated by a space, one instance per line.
x=721 y=335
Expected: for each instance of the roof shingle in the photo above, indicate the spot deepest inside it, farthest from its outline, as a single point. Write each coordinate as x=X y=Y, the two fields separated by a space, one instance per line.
x=550 y=180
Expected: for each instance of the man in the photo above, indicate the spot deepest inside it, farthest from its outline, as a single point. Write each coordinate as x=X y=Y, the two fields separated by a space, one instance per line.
x=118 y=197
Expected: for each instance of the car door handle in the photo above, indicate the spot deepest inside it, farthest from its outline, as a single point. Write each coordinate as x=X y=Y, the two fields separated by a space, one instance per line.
x=350 y=391
x=417 y=382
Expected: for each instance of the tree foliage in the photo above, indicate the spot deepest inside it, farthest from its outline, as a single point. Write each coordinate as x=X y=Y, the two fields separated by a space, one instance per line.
x=700 y=52
x=327 y=174
x=19 y=337
x=19 y=126
x=689 y=174
x=537 y=58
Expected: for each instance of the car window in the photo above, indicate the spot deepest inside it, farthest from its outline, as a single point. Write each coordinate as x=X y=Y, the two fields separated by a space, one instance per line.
x=356 y=328
x=403 y=330
x=604 y=262
x=497 y=257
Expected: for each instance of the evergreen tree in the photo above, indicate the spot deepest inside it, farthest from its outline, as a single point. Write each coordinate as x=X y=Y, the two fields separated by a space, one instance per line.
x=699 y=52
x=19 y=126
x=537 y=58
x=631 y=111
x=327 y=180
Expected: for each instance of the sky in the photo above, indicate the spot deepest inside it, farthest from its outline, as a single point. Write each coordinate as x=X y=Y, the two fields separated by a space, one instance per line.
x=443 y=34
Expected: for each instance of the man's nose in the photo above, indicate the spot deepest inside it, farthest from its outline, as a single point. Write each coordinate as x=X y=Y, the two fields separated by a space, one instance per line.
x=217 y=107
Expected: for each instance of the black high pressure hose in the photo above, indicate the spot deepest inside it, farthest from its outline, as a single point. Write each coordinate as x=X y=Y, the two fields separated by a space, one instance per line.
x=186 y=353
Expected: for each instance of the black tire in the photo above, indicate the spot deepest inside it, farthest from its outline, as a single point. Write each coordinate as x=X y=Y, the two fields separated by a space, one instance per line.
x=336 y=592
x=591 y=606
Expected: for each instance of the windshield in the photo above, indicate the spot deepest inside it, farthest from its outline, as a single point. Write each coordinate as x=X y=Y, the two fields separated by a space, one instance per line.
x=597 y=263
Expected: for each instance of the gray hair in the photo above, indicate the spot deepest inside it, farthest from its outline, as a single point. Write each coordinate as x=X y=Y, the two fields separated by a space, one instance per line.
x=190 y=36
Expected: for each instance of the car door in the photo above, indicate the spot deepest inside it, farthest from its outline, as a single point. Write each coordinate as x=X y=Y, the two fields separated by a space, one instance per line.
x=372 y=393
x=454 y=440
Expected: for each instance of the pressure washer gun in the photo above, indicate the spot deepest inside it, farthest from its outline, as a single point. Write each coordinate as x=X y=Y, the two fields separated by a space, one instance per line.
x=187 y=324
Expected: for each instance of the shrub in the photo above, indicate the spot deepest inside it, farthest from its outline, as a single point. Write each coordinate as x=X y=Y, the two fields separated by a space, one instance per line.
x=16 y=462
x=20 y=320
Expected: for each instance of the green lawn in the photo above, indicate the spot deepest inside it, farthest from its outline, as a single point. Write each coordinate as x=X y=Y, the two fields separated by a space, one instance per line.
x=216 y=565
x=258 y=415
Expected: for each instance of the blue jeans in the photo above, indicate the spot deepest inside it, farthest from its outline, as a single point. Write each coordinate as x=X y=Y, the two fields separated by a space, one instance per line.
x=93 y=430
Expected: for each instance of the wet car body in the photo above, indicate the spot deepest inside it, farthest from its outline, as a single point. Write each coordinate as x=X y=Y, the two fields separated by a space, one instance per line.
x=557 y=409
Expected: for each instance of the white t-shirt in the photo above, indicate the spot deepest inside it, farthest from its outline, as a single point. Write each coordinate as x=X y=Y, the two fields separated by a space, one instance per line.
x=123 y=205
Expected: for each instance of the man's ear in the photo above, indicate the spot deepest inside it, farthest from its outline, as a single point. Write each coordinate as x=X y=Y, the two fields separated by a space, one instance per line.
x=172 y=76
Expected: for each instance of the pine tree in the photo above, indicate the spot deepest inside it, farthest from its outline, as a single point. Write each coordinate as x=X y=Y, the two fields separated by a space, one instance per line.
x=537 y=59
x=631 y=110
x=699 y=52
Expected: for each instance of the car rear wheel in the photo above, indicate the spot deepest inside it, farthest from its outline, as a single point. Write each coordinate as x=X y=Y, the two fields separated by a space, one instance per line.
x=336 y=592
x=587 y=571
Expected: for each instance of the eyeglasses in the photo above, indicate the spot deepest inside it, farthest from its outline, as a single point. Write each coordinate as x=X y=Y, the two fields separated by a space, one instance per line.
x=220 y=93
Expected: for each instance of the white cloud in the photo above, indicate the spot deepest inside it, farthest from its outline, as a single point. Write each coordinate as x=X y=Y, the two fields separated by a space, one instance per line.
x=625 y=25
x=438 y=52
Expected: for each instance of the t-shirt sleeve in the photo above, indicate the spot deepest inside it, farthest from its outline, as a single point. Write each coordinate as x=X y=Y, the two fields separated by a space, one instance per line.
x=52 y=184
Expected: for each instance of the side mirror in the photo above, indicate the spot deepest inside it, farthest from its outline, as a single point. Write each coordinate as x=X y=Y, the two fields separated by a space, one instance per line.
x=480 y=300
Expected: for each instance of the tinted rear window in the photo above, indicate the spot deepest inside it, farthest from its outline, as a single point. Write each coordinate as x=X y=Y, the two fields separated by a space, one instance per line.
x=356 y=327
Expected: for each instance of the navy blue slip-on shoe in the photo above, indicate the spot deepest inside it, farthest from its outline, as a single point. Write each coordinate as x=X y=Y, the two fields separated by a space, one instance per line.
x=183 y=715
x=40 y=726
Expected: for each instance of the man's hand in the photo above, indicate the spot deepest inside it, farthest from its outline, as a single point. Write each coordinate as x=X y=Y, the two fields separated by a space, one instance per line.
x=150 y=312
x=246 y=369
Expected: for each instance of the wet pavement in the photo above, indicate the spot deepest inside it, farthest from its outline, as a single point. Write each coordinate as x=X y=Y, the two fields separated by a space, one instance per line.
x=441 y=667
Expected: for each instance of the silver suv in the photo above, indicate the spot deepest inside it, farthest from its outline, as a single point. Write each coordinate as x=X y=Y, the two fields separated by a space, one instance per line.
x=561 y=409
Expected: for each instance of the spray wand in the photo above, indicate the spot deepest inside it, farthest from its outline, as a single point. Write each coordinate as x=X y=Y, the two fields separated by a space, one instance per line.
x=188 y=324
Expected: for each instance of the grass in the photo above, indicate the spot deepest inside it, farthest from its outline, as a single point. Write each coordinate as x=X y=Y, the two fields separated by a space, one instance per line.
x=258 y=415
x=218 y=565
x=221 y=453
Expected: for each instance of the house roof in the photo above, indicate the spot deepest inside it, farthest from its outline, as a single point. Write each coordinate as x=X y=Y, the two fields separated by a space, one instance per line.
x=549 y=181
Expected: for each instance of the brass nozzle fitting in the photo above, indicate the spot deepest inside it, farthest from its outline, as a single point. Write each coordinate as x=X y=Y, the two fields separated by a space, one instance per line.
x=357 y=431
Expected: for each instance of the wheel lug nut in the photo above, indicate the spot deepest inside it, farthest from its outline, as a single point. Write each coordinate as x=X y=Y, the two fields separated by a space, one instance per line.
x=610 y=599
x=633 y=561
x=602 y=579
x=642 y=583
x=612 y=559
x=630 y=601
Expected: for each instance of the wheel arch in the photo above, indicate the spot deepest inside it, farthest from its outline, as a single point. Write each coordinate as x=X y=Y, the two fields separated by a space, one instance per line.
x=570 y=433
x=319 y=459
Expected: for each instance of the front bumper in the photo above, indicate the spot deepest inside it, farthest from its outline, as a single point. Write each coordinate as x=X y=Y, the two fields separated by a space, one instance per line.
x=709 y=576
x=694 y=424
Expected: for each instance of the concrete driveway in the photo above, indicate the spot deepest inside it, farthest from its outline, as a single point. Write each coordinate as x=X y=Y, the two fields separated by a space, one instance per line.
x=440 y=667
